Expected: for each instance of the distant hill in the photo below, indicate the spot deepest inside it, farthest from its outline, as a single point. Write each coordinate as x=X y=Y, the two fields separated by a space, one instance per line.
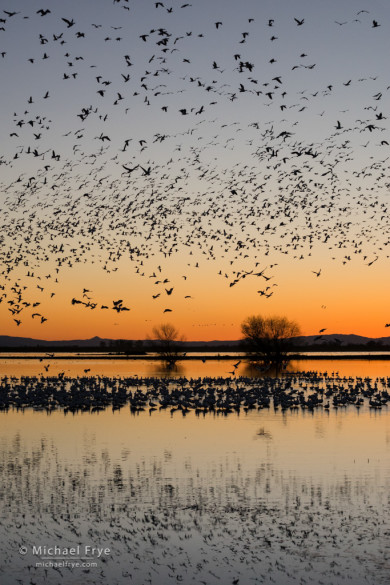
x=96 y=343
x=8 y=341
x=341 y=340
x=211 y=344
x=332 y=342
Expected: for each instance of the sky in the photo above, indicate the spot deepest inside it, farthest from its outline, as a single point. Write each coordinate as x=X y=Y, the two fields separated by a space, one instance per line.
x=193 y=162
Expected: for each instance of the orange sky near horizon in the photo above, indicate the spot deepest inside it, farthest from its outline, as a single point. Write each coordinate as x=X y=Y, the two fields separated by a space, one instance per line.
x=346 y=299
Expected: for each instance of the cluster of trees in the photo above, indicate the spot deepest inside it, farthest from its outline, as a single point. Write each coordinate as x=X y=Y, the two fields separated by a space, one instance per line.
x=167 y=341
x=265 y=340
x=123 y=345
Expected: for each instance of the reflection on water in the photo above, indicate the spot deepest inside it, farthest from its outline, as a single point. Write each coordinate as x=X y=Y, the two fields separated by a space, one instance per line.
x=263 y=497
x=195 y=368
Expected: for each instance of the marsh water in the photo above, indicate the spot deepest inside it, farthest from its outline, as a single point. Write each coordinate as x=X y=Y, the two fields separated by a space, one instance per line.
x=72 y=364
x=252 y=497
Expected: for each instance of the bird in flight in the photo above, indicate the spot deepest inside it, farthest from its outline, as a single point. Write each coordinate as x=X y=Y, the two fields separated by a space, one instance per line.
x=130 y=170
x=69 y=23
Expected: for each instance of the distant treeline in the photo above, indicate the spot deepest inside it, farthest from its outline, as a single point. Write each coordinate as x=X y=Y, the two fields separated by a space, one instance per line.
x=141 y=347
x=116 y=345
x=331 y=346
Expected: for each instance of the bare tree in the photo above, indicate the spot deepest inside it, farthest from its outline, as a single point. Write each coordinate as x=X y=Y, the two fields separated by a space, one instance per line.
x=267 y=339
x=167 y=340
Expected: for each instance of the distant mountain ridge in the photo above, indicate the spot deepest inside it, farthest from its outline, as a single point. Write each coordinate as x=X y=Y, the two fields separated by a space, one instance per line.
x=10 y=341
x=338 y=340
x=342 y=339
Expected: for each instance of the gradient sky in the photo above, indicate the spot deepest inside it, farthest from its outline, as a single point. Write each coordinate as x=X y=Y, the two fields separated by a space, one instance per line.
x=268 y=147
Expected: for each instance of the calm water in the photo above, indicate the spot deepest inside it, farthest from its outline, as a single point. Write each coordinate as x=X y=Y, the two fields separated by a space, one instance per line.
x=263 y=497
x=74 y=366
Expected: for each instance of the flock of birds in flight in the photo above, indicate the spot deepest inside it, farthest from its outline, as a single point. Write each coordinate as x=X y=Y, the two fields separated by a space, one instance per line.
x=99 y=193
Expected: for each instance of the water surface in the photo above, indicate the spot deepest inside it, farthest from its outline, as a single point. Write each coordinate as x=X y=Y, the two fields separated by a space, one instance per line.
x=191 y=368
x=264 y=497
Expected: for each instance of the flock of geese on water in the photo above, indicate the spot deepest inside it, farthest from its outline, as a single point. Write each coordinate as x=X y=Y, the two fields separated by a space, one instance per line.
x=223 y=169
x=302 y=391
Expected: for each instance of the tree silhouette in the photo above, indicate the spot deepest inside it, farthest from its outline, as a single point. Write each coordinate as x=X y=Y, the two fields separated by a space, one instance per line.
x=167 y=340
x=267 y=339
